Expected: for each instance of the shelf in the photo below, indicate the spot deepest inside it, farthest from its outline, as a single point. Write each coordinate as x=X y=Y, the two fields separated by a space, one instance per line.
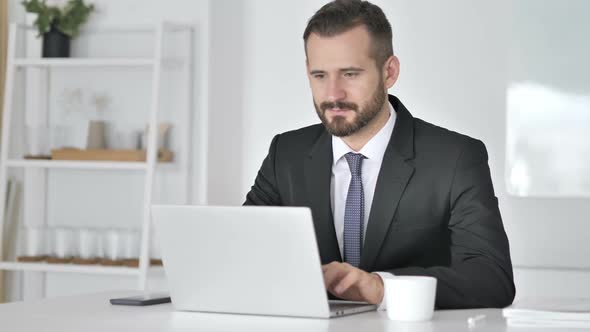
x=85 y=62
x=118 y=165
x=71 y=268
x=123 y=28
x=157 y=62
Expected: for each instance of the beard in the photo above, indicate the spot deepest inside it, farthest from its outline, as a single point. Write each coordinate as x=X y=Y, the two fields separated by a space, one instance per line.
x=340 y=126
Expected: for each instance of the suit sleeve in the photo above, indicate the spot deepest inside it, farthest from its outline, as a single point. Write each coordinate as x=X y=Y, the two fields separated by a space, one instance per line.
x=480 y=272
x=264 y=191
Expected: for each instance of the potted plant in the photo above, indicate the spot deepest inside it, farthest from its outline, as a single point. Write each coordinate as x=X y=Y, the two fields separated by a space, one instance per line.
x=58 y=24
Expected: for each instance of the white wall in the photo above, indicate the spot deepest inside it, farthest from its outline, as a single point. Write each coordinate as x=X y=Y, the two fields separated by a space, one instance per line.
x=453 y=73
x=258 y=87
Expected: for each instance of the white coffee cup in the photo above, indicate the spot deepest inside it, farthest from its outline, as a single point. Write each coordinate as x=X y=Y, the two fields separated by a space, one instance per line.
x=410 y=298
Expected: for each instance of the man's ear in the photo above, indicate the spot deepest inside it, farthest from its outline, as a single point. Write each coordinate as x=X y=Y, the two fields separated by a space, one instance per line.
x=391 y=71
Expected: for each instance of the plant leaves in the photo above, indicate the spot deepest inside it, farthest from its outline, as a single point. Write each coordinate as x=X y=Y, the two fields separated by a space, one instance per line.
x=75 y=14
x=67 y=20
x=33 y=6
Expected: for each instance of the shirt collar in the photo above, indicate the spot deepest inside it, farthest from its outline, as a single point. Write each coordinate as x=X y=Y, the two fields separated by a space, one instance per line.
x=375 y=147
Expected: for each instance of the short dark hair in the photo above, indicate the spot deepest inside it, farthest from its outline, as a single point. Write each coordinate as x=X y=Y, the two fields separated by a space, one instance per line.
x=340 y=16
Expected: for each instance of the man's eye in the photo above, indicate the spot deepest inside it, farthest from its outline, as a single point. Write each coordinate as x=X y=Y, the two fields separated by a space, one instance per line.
x=351 y=74
x=318 y=76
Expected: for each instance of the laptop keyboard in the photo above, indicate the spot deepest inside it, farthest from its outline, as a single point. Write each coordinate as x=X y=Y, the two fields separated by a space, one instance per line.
x=337 y=306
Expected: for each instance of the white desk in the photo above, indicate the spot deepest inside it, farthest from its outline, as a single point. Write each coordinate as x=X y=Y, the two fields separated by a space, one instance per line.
x=94 y=313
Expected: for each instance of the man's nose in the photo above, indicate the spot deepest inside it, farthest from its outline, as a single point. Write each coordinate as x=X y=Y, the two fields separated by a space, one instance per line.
x=336 y=90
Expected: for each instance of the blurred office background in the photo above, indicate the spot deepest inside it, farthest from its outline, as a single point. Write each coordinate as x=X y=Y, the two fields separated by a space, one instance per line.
x=511 y=73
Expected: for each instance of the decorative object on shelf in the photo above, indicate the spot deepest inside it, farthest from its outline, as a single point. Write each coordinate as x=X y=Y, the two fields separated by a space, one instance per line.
x=58 y=24
x=88 y=247
x=120 y=137
x=101 y=102
x=63 y=246
x=83 y=134
x=56 y=44
x=84 y=246
x=112 y=248
x=12 y=216
x=70 y=103
x=34 y=242
x=96 y=135
x=108 y=155
x=37 y=142
x=163 y=136
x=31 y=157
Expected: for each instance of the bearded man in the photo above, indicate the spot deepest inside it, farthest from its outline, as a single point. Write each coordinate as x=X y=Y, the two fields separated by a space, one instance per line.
x=390 y=194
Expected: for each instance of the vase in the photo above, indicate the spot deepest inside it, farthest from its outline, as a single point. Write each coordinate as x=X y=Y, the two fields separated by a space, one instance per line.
x=56 y=44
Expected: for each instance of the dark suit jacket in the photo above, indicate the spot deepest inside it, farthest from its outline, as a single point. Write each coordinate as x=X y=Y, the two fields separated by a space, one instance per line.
x=434 y=211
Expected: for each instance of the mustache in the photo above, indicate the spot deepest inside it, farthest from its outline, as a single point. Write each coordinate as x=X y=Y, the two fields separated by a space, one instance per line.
x=339 y=104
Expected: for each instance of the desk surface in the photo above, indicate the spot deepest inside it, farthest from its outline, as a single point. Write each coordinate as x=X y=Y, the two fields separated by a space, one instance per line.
x=94 y=313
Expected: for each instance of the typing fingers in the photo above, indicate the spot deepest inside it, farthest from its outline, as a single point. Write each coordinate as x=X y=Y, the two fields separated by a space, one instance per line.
x=351 y=278
x=332 y=274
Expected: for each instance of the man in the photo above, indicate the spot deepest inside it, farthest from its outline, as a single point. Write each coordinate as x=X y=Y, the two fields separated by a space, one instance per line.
x=390 y=194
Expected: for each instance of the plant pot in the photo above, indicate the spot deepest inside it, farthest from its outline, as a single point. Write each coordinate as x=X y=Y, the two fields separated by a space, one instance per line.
x=56 y=44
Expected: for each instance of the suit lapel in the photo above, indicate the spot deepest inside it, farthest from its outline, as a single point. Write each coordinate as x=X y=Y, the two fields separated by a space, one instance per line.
x=393 y=177
x=318 y=174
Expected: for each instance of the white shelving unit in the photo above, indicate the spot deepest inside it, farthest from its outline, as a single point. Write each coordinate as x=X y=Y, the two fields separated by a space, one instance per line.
x=104 y=62
x=70 y=268
x=155 y=64
x=140 y=166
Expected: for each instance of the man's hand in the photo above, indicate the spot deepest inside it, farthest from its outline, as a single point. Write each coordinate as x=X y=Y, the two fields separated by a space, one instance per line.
x=349 y=283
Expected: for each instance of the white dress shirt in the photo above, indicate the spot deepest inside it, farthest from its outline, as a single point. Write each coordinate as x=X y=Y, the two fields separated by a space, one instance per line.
x=373 y=152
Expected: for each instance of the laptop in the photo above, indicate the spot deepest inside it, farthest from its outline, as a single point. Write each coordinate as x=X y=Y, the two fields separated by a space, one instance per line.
x=245 y=260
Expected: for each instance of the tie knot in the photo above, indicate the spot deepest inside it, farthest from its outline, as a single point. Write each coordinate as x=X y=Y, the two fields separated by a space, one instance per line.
x=355 y=161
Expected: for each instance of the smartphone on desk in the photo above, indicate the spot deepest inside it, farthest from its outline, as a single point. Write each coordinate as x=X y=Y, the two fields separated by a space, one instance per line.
x=141 y=300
